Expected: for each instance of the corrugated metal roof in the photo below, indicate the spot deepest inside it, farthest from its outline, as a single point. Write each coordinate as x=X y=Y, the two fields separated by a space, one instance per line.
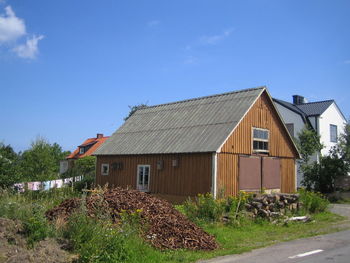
x=315 y=108
x=196 y=125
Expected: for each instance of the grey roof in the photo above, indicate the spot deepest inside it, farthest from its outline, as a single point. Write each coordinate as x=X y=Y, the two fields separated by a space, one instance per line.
x=290 y=106
x=315 y=108
x=195 y=125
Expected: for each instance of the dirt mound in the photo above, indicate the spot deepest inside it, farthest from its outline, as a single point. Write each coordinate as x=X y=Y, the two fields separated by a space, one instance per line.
x=13 y=246
x=167 y=227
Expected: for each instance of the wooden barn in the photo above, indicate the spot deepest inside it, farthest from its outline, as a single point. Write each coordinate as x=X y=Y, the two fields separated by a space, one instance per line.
x=219 y=144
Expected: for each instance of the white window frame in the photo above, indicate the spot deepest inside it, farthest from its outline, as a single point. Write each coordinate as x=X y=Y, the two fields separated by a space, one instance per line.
x=330 y=133
x=261 y=140
x=142 y=189
x=102 y=169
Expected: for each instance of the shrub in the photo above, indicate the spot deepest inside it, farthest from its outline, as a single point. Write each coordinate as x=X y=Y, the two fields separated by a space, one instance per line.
x=205 y=208
x=86 y=183
x=36 y=227
x=313 y=202
x=96 y=240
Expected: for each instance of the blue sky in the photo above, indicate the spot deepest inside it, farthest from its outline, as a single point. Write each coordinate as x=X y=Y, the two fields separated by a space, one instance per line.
x=69 y=69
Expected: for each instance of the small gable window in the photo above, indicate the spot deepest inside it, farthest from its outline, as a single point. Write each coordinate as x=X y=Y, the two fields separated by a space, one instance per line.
x=105 y=169
x=334 y=133
x=260 y=140
x=81 y=150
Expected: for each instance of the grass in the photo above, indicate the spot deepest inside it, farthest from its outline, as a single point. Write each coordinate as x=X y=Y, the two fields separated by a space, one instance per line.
x=30 y=208
x=235 y=240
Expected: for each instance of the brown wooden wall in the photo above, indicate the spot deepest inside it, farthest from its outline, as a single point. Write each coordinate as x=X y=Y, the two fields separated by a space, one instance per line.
x=192 y=176
x=261 y=115
x=228 y=174
x=288 y=175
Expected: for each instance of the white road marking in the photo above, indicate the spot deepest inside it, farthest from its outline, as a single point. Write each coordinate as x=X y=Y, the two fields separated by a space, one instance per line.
x=307 y=253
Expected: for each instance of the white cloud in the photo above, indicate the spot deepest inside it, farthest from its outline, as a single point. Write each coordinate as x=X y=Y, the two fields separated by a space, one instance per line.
x=153 y=23
x=215 y=39
x=12 y=33
x=11 y=27
x=29 y=49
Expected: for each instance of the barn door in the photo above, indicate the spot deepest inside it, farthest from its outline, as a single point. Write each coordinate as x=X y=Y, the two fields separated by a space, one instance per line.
x=257 y=172
x=271 y=175
x=249 y=173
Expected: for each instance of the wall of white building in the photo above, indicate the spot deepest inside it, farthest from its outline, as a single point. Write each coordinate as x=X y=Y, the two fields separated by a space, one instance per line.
x=330 y=116
x=290 y=116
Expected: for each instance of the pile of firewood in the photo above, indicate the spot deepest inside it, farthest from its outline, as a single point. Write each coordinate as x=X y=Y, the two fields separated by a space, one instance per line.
x=166 y=227
x=273 y=205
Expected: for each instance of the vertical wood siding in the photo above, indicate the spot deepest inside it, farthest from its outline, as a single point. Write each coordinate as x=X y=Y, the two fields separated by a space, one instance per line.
x=192 y=176
x=288 y=175
x=261 y=115
x=227 y=174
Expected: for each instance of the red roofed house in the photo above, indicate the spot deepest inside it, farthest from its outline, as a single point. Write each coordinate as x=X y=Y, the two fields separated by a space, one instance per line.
x=87 y=148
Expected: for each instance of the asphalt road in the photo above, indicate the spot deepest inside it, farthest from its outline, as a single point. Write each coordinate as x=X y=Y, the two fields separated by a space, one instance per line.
x=329 y=248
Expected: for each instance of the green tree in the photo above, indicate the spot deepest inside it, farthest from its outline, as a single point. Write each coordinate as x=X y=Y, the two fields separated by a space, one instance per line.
x=343 y=145
x=134 y=108
x=308 y=143
x=9 y=168
x=41 y=161
x=85 y=166
x=321 y=176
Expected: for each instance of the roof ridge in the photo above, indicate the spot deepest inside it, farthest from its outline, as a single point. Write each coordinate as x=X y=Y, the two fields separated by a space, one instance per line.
x=313 y=102
x=204 y=97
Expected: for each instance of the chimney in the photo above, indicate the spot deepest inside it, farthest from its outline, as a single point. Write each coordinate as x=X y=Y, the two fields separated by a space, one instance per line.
x=99 y=135
x=297 y=100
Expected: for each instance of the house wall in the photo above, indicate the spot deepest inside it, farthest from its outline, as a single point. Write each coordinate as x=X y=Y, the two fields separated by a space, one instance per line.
x=193 y=174
x=261 y=115
x=289 y=116
x=330 y=116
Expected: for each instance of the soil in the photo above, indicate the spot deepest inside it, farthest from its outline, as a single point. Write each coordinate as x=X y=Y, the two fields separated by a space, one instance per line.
x=13 y=246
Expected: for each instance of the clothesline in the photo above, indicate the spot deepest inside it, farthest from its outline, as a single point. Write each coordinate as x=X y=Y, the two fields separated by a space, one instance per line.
x=46 y=185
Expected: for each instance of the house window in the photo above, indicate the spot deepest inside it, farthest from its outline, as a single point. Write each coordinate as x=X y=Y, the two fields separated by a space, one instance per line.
x=290 y=127
x=81 y=150
x=105 y=169
x=260 y=140
x=333 y=132
x=143 y=176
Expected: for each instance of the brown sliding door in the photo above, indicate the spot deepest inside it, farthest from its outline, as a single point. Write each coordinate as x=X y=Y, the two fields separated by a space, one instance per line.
x=249 y=173
x=257 y=172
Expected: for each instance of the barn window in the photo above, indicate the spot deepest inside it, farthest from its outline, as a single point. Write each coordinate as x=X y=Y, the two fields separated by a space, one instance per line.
x=260 y=140
x=333 y=132
x=105 y=169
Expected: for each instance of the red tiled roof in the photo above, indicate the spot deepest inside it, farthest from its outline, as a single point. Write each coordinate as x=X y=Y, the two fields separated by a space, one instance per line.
x=97 y=142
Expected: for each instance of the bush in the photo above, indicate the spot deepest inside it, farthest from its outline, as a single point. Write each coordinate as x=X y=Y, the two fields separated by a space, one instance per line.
x=86 y=183
x=36 y=227
x=96 y=240
x=313 y=202
x=208 y=209
x=205 y=208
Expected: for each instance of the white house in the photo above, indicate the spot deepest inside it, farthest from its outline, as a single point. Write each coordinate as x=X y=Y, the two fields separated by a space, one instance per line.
x=324 y=117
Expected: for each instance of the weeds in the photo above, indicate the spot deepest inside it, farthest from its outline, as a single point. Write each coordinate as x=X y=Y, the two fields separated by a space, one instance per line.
x=313 y=202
